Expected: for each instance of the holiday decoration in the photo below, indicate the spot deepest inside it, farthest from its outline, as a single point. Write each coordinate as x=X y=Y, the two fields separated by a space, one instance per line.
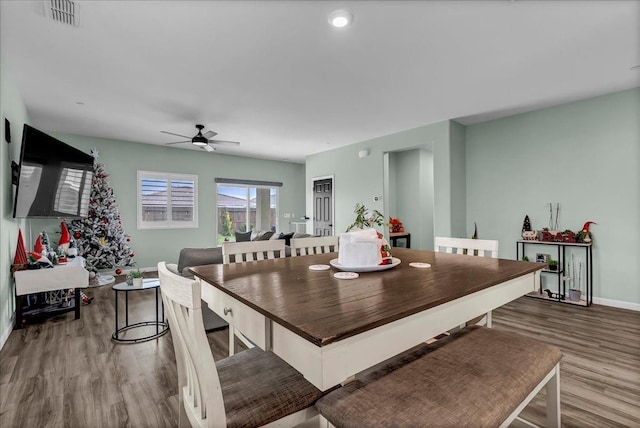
x=20 y=260
x=395 y=225
x=585 y=236
x=102 y=241
x=118 y=271
x=46 y=242
x=38 y=247
x=65 y=239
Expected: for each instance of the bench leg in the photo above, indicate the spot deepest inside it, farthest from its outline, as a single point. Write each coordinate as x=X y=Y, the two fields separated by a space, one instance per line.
x=553 y=399
x=489 y=320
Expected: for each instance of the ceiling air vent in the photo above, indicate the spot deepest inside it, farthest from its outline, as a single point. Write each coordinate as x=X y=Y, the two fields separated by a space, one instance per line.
x=65 y=11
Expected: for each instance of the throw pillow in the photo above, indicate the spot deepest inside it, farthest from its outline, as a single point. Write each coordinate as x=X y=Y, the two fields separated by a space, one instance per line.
x=243 y=236
x=263 y=236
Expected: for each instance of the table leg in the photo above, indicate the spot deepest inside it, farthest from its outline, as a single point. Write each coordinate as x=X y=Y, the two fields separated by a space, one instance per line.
x=78 y=299
x=126 y=308
x=19 y=303
x=116 y=330
x=157 y=319
x=408 y=240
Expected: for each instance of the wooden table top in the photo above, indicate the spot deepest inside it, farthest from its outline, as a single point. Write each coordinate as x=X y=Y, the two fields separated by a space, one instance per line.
x=323 y=309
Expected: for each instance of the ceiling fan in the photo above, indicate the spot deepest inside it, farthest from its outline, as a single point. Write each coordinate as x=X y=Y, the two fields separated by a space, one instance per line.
x=201 y=140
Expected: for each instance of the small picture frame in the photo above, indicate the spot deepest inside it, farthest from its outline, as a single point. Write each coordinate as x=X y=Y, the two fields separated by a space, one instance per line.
x=542 y=258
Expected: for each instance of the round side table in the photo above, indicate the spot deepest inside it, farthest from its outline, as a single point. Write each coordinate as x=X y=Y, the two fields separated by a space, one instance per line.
x=162 y=327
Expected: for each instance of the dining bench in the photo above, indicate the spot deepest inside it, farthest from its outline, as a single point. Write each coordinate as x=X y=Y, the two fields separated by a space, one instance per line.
x=476 y=377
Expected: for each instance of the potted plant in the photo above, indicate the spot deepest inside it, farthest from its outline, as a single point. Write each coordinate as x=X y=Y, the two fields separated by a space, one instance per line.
x=553 y=264
x=136 y=278
x=364 y=220
x=525 y=258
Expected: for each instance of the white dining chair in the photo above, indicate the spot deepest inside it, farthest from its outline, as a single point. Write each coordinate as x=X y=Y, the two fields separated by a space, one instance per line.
x=252 y=388
x=470 y=247
x=238 y=252
x=313 y=245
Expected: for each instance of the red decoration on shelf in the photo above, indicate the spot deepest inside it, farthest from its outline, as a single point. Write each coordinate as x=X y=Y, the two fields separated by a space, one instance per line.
x=37 y=247
x=395 y=225
x=118 y=271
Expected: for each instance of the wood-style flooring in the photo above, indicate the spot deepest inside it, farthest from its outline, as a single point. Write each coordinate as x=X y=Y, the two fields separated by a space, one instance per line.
x=68 y=373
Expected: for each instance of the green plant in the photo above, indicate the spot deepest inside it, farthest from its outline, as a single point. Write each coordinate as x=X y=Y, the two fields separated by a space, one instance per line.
x=553 y=264
x=135 y=274
x=365 y=220
x=227 y=224
x=525 y=258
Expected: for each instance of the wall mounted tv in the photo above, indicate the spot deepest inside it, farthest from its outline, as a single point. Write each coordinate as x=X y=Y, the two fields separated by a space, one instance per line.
x=54 y=180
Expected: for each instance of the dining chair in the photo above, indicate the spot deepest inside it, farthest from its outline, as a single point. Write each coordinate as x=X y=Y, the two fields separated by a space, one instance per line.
x=252 y=251
x=238 y=252
x=252 y=388
x=471 y=247
x=313 y=245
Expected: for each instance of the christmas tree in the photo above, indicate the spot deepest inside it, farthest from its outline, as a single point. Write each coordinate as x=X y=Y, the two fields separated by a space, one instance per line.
x=100 y=237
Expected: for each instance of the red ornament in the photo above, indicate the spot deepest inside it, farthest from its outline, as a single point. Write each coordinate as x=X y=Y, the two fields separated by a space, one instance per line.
x=77 y=235
x=105 y=221
x=128 y=239
x=118 y=271
x=131 y=255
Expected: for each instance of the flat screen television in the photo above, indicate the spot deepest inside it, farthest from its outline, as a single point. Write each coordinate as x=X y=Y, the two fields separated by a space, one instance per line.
x=54 y=180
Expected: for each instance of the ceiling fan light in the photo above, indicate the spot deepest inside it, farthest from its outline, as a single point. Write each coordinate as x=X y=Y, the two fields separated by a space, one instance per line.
x=199 y=141
x=208 y=148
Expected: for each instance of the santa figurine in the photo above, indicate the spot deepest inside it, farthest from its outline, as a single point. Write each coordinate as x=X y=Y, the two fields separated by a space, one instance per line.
x=38 y=247
x=65 y=239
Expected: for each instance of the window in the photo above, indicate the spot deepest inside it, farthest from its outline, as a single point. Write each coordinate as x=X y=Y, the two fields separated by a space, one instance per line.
x=167 y=201
x=244 y=205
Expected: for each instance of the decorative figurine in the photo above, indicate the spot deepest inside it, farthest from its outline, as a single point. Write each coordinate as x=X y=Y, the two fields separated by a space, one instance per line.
x=585 y=236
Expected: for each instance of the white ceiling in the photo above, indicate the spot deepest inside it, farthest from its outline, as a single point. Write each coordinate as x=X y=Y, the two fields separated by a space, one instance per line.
x=276 y=77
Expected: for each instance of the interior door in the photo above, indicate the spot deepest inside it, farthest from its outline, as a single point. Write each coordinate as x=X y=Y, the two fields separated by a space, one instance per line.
x=323 y=207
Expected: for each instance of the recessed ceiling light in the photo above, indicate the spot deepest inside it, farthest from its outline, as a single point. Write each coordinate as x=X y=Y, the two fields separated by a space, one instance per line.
x=80 y=103
x=340 y=18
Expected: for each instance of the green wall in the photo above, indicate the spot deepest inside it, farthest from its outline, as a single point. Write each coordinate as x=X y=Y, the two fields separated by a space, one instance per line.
x=362 y=179
x=12 y=108
x=123 y=159
x=585 y=155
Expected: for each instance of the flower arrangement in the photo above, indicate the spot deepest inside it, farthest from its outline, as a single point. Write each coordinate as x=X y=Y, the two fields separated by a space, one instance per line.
x=395 y=225
x=364 y=219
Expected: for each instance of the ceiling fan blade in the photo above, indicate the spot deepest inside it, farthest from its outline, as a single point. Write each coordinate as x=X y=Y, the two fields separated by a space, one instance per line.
x=177 y=142
x=229 y=143
x=208 y=148
x=177 y=135
x=209 y=134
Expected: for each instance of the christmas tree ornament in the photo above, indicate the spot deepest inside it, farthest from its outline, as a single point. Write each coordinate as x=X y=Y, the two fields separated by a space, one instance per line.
x=527 y=233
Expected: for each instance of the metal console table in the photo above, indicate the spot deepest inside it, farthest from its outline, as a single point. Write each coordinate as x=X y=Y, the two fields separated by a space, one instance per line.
x=562 y=295
x=161 y=326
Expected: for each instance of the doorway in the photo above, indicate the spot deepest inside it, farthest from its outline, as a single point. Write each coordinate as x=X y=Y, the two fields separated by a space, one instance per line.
x=323 y=206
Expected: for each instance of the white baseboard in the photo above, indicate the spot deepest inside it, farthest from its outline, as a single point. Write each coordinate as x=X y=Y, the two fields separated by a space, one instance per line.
x=617 y=303
x=7 y=332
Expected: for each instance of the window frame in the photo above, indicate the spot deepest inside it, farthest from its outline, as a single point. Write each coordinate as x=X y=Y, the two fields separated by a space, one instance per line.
x=248 y=184
x=169 y=223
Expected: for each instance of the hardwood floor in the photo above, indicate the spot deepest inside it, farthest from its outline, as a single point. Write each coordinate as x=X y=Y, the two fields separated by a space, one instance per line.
x=68 y=373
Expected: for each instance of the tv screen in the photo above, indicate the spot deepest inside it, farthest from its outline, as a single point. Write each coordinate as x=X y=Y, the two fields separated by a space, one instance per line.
x=55 y=178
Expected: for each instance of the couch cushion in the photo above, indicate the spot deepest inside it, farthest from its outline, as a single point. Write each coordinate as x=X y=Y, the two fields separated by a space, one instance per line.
x=263 y=236
x=198 y=256
x=243 y=236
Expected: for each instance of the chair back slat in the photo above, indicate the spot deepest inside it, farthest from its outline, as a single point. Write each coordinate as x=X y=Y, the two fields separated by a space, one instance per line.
x=313 y=245
x=237 y=252
x=478 y=247
x=199 y=385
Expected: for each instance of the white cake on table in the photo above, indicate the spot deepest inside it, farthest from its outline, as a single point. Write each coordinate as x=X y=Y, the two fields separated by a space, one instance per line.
x=363 y=248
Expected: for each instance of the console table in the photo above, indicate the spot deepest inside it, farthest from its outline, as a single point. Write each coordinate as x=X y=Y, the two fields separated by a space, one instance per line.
x=394 y=236
x=60 y=277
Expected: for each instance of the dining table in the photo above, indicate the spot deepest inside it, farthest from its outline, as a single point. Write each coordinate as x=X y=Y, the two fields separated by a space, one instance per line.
x=331 y=329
